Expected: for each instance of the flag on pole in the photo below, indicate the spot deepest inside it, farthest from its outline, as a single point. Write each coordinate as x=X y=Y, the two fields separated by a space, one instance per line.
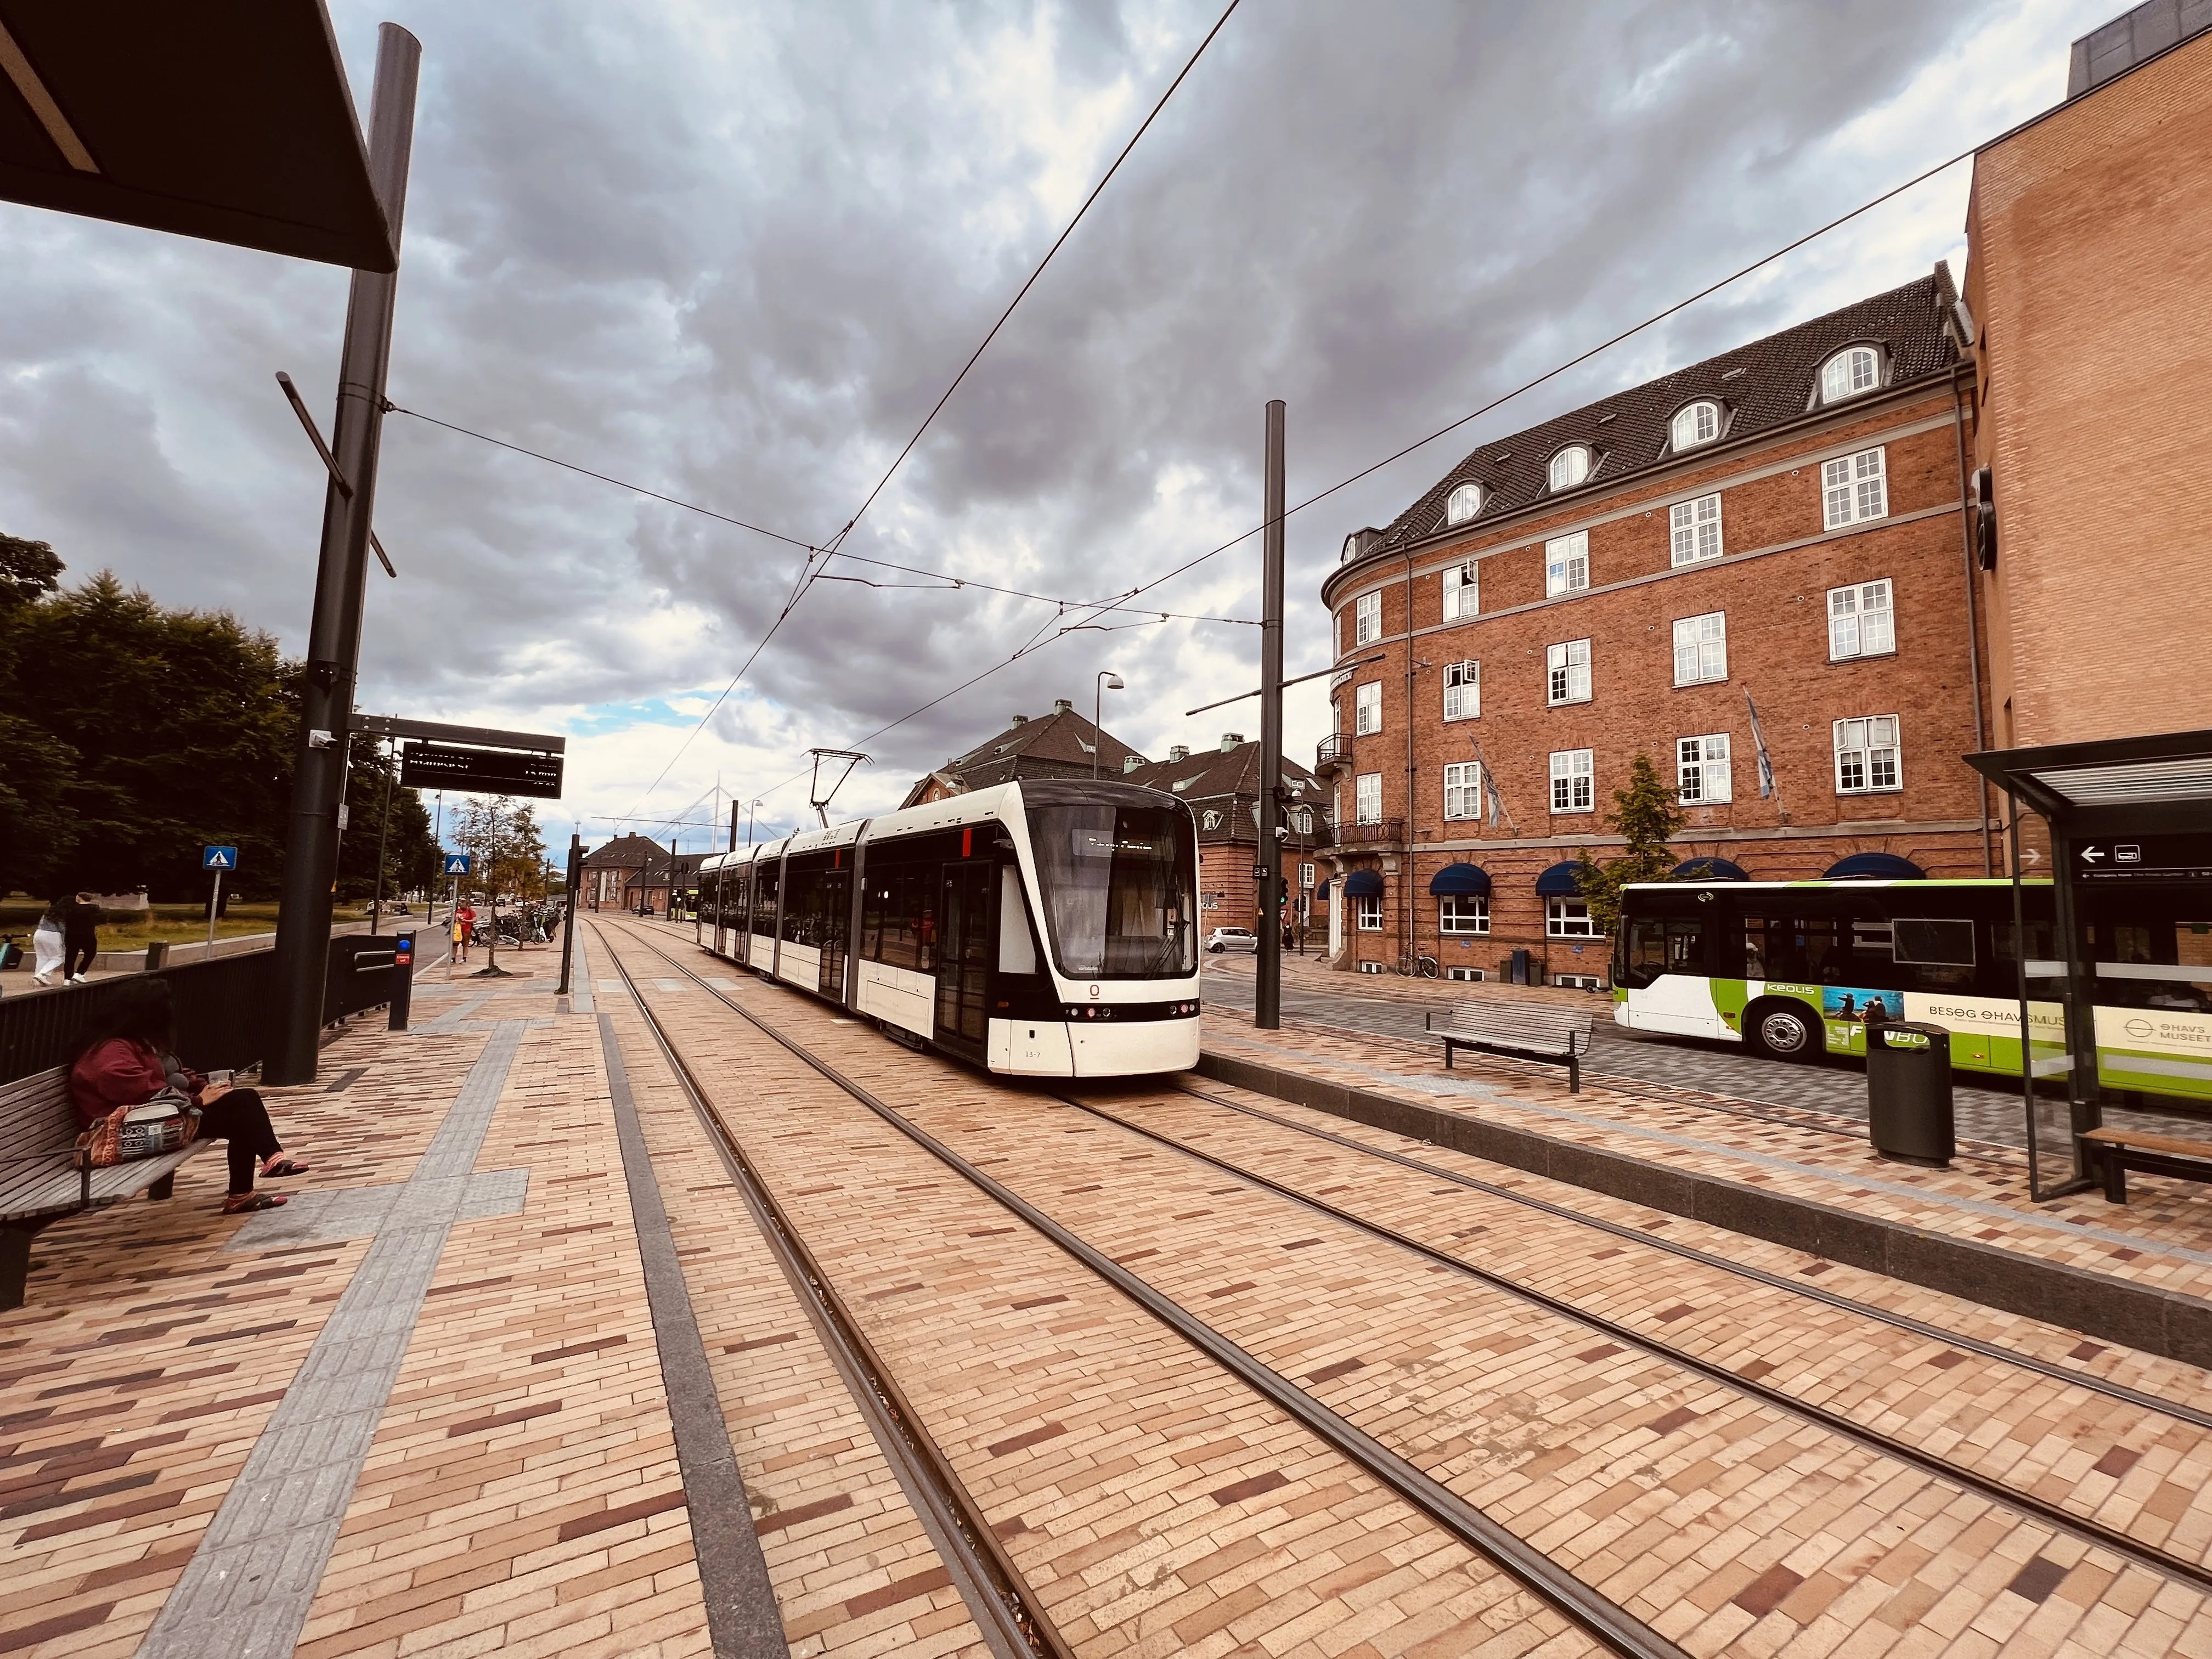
x=1494 y=811
x=1759 y=741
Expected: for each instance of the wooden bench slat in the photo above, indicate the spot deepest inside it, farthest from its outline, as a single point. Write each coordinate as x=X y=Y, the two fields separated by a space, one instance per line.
x=2173 y=1144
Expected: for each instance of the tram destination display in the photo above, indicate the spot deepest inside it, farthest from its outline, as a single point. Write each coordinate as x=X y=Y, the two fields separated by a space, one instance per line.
x=479 y=771
x=2185 y=858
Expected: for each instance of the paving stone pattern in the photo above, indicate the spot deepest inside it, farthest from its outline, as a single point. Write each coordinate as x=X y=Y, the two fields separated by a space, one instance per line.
x=1153 y=1503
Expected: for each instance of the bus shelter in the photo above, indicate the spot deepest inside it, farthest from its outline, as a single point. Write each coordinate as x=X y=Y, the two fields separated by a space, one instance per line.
x=2115 y=966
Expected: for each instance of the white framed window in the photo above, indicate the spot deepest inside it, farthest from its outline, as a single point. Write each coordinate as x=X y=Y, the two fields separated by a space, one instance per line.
x=1848 y=373
x=1566 y=564
x=1578 y=982
x=1570 y=466
x=1702 y=774
x=1698 y=423
x=1861 y=621
x=1696 y=529
x=1367 y=709
x=1336 y=802
x=1369 y=908
x=1567 y=672
x=1367 y=619
x=1462 y=789
x=1853 y=488
x=1866 y=760
x=1462 y=591
x=1465 y=502
x=1351 y=549
x=1367 y=797
x=1306 y=876
x=1462 y=913
x=1701 y=648
x=1573 y=787
x=1568 y=918
x=1301 y=820
x=1463 y=691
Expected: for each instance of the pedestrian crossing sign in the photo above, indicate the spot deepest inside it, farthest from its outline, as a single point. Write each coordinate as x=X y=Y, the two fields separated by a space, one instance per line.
x=457 y=863
x=218 y=858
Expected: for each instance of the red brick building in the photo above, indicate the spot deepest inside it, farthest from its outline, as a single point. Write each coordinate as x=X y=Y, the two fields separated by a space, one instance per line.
x=2089 y=299
x=1222 y=787
x=620 y=876
x=1780 y=529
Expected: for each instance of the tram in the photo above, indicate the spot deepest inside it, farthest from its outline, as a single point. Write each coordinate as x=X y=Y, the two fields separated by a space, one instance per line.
x=1046 y=928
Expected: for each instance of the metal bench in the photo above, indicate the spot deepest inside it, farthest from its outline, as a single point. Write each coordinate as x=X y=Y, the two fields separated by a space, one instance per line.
x=2113 y=1153
x=1533 y=1031
x=43 y=1177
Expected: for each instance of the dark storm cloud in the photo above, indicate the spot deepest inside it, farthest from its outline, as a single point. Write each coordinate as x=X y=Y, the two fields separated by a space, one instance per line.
x=736 y=253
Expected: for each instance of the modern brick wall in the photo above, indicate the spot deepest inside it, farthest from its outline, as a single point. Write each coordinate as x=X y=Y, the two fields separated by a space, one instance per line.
x=1771 y=583
x=2090 y=280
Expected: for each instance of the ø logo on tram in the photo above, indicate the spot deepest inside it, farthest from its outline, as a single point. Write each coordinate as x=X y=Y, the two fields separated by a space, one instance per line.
x=1094 y=993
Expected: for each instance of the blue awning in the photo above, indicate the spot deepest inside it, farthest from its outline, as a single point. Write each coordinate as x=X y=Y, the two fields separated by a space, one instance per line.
x=1460 y=881
x=1874 y=867
x=1321 y=893
x=1363 y=883
x=1559 y=882
x=1710 y=870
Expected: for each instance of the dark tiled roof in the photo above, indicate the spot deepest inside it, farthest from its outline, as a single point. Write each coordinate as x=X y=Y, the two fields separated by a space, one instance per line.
x=1218 y=774
x=1048 y=746
x=625 y=853
x=1765 y=384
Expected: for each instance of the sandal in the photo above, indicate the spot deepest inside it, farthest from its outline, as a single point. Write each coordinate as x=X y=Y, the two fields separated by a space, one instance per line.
x=246 y=1203
x=284 y=1166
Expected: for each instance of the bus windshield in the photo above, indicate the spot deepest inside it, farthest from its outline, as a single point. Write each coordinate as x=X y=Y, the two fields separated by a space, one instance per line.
x=1117 y=885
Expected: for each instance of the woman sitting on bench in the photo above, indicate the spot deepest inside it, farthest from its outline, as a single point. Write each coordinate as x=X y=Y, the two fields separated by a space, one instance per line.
x=130 y=1061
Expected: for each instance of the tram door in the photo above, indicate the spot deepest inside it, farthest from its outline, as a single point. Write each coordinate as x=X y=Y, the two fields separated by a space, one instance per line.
x=963 y=955
x=837 y=922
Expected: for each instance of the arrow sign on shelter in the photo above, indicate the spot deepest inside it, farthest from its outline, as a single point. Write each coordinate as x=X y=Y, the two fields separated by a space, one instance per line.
x=218 y=858
x=457 y=863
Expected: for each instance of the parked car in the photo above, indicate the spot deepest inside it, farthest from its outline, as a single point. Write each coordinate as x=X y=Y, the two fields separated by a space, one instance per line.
x=1232 y=939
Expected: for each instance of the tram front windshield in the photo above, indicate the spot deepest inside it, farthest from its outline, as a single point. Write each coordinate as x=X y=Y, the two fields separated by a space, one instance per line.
x=1117 y=890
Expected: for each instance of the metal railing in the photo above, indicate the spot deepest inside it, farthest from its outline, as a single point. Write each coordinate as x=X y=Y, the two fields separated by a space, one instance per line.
x=1332 y=751
x=1367 y=834
x=225 y=1009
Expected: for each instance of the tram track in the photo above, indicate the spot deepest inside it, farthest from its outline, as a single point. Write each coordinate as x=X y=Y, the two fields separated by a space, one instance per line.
x=1607 y=1623
x=1012 y=1623
x=2051 y=1516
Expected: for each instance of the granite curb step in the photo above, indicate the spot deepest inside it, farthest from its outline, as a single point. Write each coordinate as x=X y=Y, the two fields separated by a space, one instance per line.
x=2141 y=1317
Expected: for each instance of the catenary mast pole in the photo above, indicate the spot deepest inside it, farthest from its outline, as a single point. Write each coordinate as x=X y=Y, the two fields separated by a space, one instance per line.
x=303 y=922
x=1267 y=997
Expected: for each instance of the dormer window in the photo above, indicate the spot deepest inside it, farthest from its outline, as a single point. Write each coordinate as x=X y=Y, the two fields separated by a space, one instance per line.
x=1351 y=548
x=1570 y=466
x=1465 y=502
x=1698 y=423
x=1849 y=372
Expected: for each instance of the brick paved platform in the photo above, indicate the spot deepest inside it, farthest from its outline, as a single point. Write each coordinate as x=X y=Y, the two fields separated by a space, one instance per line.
x=2139 y=1274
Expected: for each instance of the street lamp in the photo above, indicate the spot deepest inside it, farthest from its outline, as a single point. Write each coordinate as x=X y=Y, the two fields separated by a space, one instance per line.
x=1107 y=681
x=750 y=805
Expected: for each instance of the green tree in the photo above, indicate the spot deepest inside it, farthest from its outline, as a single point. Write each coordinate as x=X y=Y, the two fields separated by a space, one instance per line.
x=36 y=769
x=1645 y=816
x=410 y=853
x=508 y=846
x=181 y=725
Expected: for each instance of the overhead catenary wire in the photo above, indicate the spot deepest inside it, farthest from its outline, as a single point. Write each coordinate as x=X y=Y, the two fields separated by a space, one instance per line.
x=807 y=570
x=1399 y=454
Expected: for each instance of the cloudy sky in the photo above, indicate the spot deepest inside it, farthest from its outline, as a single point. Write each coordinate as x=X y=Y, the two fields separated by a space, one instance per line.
x=734 y=252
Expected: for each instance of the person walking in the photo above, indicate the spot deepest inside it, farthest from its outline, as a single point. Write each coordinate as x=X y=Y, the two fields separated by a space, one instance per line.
x=48 y=952
x=80 y=939
x=465 y=927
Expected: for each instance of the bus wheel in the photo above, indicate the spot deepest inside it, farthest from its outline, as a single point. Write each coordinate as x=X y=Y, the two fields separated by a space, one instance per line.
x=1782 y=1031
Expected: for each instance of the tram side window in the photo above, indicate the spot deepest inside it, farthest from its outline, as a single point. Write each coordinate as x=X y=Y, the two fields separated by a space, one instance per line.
x=764 y=888
x=898 y=918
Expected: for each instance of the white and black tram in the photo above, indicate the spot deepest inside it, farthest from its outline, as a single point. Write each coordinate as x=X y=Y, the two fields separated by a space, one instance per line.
x=1045 y=928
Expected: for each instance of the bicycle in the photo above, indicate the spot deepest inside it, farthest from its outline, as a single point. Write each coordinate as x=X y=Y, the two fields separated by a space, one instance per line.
x=1417 y=966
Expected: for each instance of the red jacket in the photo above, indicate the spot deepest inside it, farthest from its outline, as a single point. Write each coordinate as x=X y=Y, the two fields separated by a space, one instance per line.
x=116 y=1073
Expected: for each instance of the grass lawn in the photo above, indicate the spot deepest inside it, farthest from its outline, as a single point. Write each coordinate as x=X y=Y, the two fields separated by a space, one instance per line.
x=177 y=924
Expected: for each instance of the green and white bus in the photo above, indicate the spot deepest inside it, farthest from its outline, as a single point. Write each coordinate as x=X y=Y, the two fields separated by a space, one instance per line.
x=1793 y=969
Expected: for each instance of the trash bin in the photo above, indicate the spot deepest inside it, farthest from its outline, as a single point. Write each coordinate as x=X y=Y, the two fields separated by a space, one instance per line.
x=1908 y=1116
